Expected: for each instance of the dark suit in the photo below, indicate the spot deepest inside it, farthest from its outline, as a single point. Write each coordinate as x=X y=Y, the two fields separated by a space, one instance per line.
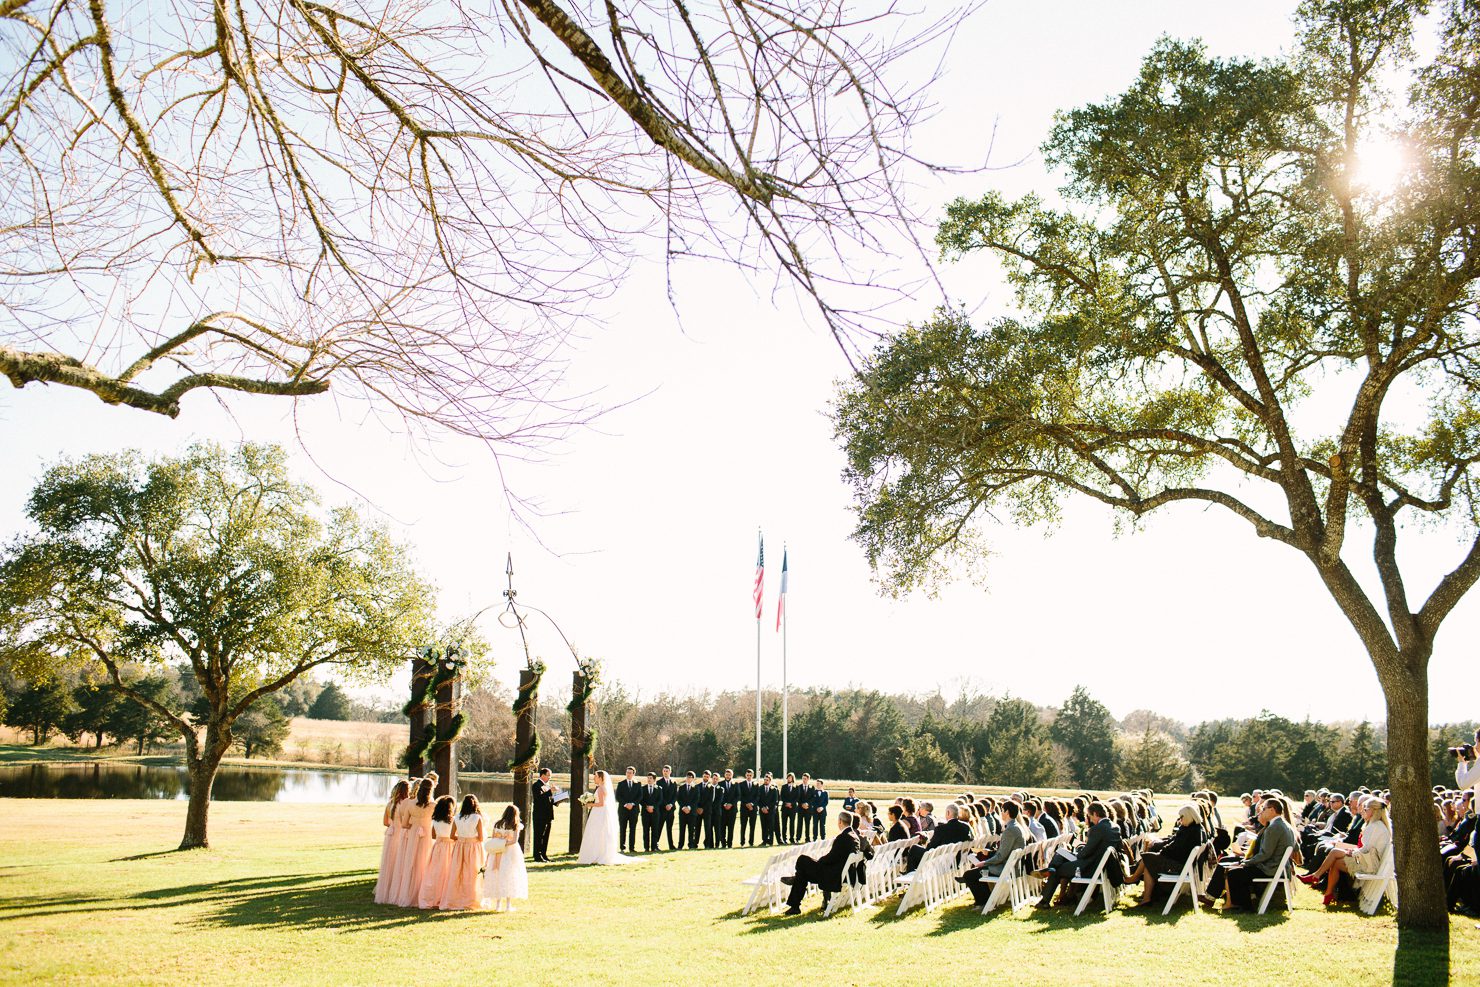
x=651 y=810
x=688 y=815
x=817 y=803
x=948 y=832
x=745 y=792
x=669 y=788
x=728 y=801
x=628 y=791
x=542 y=810
x=826 y=871
x=766 y=800
x=788 y=814
x=709 y=817
x=1103 y=835
x=1338 y=823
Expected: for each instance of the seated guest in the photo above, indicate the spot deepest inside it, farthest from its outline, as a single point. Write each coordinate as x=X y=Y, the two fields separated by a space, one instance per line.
x=1362 y=858
x=1170 y=855
x=826 y=871
x=1014 y=837
x=1238 y=877
x=992 y=814
x=867 y=828
x=923 y=815
x=1311 y=807
x=953 y=830
x=897 y=830
x=1048 y=818
x=911 y=821
x=1101 y=836
x=1336 y=824
x=1030 y=819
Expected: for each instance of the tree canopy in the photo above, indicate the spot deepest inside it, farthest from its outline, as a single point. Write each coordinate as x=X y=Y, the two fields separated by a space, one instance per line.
x=1222 y=269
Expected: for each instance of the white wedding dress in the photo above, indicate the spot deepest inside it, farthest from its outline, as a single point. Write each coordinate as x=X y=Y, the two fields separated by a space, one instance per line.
x=599 y=844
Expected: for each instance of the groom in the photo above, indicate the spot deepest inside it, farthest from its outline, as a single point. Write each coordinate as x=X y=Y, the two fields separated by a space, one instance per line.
x=542 y=801
x=629 y=807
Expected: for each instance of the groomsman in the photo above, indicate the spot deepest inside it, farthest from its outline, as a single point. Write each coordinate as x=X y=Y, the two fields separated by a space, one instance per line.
x=819 y=810
x=745 y=792
x=729 y=800
x=688 y=812
x=542 y=808
x=709 y=799
x=629 y=807
x=788 y=808
x=652 y=813
x=669 y=788
x=801 y=823
x=766 y=802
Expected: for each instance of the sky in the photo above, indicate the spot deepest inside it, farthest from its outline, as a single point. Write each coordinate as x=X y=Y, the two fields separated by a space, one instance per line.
x=645 y=545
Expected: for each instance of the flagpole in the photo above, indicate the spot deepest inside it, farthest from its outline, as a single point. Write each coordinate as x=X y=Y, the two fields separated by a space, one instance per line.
x=785 y=716
x=760 y=563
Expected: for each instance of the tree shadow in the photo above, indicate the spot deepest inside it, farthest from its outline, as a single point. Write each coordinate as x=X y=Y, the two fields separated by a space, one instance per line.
x=151 y=855
x=1422 y=957
x=338 y=906
x=187 y=894
x=963 y=918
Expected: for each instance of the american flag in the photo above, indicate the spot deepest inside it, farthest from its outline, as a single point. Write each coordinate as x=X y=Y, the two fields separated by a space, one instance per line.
x=781 y=600
x=760 y=578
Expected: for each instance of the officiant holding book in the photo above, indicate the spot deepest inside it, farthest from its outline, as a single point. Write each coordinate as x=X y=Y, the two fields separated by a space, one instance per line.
x=542 y=809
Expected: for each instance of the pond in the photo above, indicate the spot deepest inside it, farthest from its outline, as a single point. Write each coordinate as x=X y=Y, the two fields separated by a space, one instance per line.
x=234 y=783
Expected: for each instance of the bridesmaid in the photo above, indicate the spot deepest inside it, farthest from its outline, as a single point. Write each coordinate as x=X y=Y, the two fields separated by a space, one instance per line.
x=439 y=866
x=507 y=876
x=411 y=868
x=465 y=884
x=391 y=844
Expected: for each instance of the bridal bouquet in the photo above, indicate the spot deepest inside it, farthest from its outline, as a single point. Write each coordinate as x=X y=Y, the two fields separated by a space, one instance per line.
x=587 y=800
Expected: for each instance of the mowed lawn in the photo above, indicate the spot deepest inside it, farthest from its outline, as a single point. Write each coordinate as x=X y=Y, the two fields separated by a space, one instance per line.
x=91 y=892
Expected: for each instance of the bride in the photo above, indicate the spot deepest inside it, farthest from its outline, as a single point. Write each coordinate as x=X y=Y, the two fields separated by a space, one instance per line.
x=599 y=841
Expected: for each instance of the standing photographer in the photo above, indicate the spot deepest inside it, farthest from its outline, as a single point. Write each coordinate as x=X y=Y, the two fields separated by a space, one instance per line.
x=1467 y=775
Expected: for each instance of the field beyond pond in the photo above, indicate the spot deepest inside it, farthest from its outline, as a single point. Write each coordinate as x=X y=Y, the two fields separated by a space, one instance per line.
x=90 y=891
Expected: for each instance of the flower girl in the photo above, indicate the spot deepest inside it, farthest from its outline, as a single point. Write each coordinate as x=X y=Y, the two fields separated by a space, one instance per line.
x=507 y=877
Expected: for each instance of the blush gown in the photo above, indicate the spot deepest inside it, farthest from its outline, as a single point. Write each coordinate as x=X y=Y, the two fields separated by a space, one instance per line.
x=465 y=877
x=507 y=877
x=411 y=867
x=389 y=850
x=439 y=868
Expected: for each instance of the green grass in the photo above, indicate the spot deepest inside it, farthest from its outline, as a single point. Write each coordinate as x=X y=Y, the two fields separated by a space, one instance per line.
x=90 y=892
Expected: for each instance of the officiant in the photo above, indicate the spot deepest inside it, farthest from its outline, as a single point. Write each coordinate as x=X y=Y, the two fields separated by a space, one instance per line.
x=542 y=810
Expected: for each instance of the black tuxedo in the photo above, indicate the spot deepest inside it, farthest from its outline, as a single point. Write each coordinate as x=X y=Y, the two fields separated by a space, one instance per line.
x=788 y=813
x=628 y=792
x=826 y=871
x=728 y=801
x=745 y=792
x=652 y=816
x=709 y=820
x=542 y=811
x=767 y=798
x=669 y=788
x=817 y=813
x=688 y=814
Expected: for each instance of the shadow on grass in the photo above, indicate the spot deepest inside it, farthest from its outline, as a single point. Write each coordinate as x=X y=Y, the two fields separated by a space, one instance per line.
x=1422 y=957
x=184 y=895
x=151 y=855
x=341 y=906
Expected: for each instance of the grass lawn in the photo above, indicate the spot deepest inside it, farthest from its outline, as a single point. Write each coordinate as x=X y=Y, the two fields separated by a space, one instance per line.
x=90 y=892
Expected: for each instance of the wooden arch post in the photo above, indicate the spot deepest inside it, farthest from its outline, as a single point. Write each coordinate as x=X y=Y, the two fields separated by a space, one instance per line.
x=526 y=763
x=580 y=754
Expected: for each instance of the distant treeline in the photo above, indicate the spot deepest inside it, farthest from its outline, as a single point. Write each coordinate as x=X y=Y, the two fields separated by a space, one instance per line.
x=974 y=739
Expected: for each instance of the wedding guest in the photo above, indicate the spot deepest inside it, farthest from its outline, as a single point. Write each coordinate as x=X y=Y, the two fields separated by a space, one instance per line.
x=1103 y=835
x=417 y=848
x=897 y=830
x=910 y=820
x=1345 y=858
x=745 y=796
x=729 y=805
x=1275 y=837
x=434 y=885
x=542 y=807
x=953 y=830
x=867 y=825
x=1014 y=837
x=465 y=884
x=1030 y=820
x=924 y=817
x=688 y=812
x=505 y=875
x=629 y=808
x=652 y=813
x=1170 y=855
x=816 y=827
x=826 y=871
x=670 y=805
x=391 y=843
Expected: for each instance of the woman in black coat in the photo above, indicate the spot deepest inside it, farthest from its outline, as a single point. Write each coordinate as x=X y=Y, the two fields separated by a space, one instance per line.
x=1170 y=855
x=897 y=830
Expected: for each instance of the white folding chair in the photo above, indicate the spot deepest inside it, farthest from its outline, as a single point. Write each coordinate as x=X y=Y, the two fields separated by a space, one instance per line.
x=1190 y=877
x=849 y=894
x=1096 y=880
x=1372 y=888
x=1004 y=885
x=1284 y=874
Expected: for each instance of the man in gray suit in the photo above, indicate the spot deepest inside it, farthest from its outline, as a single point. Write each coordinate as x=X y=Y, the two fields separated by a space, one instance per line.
x=1014 y=837
x=1274 y=839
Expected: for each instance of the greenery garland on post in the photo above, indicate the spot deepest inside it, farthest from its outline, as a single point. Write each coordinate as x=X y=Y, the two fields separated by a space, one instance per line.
x=524 y=703
x=448 y=667
x=590 y=669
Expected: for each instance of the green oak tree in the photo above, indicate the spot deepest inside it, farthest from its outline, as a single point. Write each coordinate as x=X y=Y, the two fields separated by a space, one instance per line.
x=1085 y=728
x=1227 y=306
x=1151 y=759
x=39 y=707
x=262 y=730
x=216 y=559
x=94 y=705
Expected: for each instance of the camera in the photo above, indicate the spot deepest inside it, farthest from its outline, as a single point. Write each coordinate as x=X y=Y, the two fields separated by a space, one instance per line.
x=1465 y=752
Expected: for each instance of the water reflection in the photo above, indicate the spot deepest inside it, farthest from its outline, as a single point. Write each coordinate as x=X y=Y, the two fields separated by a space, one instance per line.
x=233 y=784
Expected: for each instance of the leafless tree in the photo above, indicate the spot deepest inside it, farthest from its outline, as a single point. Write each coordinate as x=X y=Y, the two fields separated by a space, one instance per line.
x=414 y=202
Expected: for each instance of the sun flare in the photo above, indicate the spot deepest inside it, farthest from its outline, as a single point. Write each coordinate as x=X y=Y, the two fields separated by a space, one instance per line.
x=1381 y=163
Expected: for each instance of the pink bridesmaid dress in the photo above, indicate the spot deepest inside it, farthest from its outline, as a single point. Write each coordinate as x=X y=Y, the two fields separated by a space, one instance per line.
x=389 y=850
x=439 y=867
x=412 y=867
x=465 y=886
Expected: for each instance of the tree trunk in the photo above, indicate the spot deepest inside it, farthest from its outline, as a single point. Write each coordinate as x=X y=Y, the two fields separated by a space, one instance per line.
x=1415 y=840
x=579 y=744
x=202 y=777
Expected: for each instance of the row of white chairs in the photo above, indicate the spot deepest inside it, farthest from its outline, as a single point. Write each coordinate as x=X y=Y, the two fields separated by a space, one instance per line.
x=767 y=891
